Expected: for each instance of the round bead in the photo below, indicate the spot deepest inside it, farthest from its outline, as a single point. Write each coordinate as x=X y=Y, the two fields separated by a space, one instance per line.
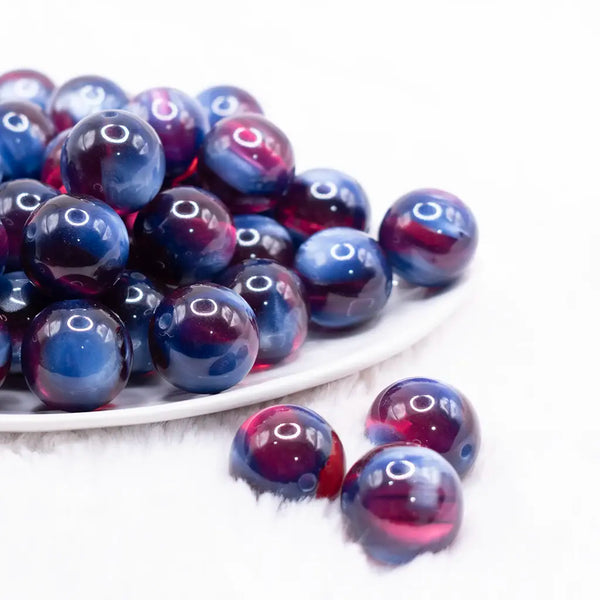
x=290 y=451
x=275 y=295
x=5 y=349
x=74 y=247
x=51 y=165
x=116 y=157
x=83 y=96
x=135 y=310
x=24 y=134
x=429 y=236
x=262 y=237
x=76 y=355
x=18 y=199
x=428 y=413
x=203 y=338
x=20 y=302
x=248 y=162
x=178 y=121
x=26 y=85
x=185 y=235
x=322 y=198
x=222 y=101
x=399 y=501
x=347 y=277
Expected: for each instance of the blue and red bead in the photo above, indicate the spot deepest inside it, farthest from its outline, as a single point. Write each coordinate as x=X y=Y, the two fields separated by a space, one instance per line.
x=222 y=101
x=26 y=85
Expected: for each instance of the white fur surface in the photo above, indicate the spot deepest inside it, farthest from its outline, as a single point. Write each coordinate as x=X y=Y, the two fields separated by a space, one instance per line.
x=496 y=102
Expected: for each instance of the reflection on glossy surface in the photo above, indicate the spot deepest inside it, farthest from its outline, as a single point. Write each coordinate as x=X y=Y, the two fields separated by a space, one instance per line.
x=24 y=134
x=5 y=349
x=135 y=309
x=185 y=235
x=429 y=236
x=20 y=302
x=222 y=101
x=74 y=247
x=178 y=121
x=18 y=199
x=347 y=277
x=258 y=236
x=51 y=165
x=428 y=413
x=247 y=159
x=116 y=157
x=76 y=355
x=290 y=451
x=400 y=500
x=4 y=247
x=27 y=85
x=203 y=338
x=276 y=296
x=323 y=198
x=83 y=96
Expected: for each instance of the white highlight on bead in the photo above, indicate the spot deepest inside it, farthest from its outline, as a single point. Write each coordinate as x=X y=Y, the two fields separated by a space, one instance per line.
x=185 y=215
x=25 y=207
x=332 y=190
x=251 y=283
x=410 y=470
x=287 y=436
x=115 y=140
x=87 y=327
x=437 y=211
x=173 y=110
x=77 y=211
x=208 y=312
x=231 y=104
x=414 y=406
x=93 y=94
x=251 y=241
x=335 y=251
x=134 y=294
x=19 y=127
x=26 y=88
x=255 y=143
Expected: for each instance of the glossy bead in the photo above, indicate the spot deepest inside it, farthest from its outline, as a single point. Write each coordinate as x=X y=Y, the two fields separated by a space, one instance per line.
x=262 y=237
x=323 y=198
x=428 y=413
x=76 y=355
x=74 y=247
x=429 y=236
x=84 y=96
x=5 y=349
x=135 y=310
x=24 y=134
x=185 y=235
x=51 y=165
x=18 y=199
x=399 y=501
x=248 y=162
x=203 y=338
x=276 y=296
x=347 y=277
x=4 y=247
x=178 y=121
x=20 y=302
x=116 y=157
x=223 y=101
x=290 y=451
x=26 y=85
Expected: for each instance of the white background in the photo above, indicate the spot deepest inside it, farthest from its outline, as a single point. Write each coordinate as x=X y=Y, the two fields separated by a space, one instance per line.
x=497 y=102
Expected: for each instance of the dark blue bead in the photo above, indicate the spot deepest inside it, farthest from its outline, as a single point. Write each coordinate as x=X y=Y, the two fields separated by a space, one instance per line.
x=5 y=349
x=75 y=247
x=116 y=157
x=224 y=101
x=20 y=302
x=25 y=131
x=347 y=277
x=18 y=199
x=76 y=355
x=203 y=338
x=83 y=96
x=26 y=85
x=262 y=237
x=135 y=309
x=276 y=296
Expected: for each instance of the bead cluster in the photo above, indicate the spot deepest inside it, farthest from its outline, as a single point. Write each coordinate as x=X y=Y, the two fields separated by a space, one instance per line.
x=399 y=500
x=167 y=233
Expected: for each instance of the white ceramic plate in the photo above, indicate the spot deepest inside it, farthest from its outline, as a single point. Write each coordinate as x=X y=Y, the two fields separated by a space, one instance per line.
x=409 y=315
